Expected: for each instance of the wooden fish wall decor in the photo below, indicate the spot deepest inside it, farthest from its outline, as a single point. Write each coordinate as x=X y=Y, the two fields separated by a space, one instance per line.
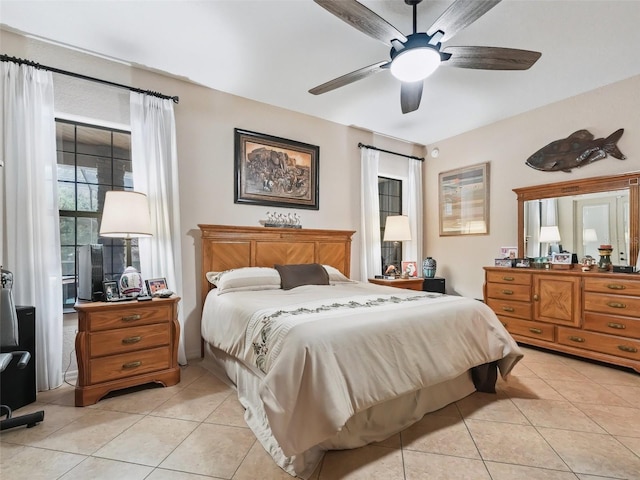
x=577 y=150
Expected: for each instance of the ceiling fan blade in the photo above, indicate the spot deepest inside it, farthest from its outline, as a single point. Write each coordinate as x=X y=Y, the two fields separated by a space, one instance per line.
x=460 y=15
x=363 y=19
x=490 y=58
x=349 y=78
x=410 y=95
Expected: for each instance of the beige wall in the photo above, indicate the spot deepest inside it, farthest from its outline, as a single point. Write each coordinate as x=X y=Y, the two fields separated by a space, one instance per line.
x=506 y=145
x=205 y=120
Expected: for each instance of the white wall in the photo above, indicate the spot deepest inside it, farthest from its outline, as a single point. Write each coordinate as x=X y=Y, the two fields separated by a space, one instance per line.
x=205 y=120
x=506 y=145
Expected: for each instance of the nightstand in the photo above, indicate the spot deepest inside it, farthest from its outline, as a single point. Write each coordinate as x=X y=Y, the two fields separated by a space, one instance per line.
x=409 y=283
x=123 y=344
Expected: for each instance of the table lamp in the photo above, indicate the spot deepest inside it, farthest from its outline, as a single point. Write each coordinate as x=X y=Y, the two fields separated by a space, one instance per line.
x=126 y=215
x=396 y=230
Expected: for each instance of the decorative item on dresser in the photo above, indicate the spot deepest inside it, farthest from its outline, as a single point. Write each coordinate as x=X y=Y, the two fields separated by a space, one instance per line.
x=588 y=314
x=125 y=344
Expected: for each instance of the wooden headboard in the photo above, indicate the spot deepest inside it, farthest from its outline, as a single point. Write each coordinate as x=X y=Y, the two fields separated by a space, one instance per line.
x=225 y=247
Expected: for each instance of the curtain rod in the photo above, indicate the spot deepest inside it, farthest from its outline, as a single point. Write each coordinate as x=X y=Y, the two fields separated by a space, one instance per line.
x=362 y=145
x=20 y=61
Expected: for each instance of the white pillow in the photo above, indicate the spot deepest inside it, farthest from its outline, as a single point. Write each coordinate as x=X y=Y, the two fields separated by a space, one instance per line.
x=245 y=279
x=335 y=275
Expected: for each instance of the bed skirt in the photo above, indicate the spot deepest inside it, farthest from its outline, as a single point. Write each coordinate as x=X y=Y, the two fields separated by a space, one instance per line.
x=372 y=425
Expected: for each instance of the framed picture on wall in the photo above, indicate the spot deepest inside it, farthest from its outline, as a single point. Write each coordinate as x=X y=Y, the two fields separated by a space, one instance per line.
x=464 y=200
x=275 y=171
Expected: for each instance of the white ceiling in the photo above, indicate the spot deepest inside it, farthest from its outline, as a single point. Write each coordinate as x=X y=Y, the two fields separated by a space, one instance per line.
x=274 y=51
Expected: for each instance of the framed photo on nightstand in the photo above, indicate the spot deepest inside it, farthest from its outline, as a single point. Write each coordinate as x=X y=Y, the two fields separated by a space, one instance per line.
x=410 y=269
x=155 y=284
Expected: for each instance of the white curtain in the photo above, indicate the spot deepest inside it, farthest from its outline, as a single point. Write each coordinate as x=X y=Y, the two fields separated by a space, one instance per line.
x=414 y=212
x=31 y=243
x=155 y=172
x=370 y=246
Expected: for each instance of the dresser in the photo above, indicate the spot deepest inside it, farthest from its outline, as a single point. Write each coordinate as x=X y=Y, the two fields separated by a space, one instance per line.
x=589 y=314
x=123 y=344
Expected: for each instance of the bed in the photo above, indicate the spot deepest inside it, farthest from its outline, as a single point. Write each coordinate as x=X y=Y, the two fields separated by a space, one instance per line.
x=323 y=362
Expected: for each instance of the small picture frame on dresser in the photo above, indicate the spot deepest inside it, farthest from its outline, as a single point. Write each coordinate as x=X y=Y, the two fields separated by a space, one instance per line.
x=111 y=291
x=504 y=262
x=155 y=284
x=523 y=263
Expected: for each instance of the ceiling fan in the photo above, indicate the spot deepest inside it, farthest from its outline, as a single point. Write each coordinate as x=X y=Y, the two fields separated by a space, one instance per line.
x=416 y=56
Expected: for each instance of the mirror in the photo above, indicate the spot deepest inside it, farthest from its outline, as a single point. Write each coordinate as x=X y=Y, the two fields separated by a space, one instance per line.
x=588 y=213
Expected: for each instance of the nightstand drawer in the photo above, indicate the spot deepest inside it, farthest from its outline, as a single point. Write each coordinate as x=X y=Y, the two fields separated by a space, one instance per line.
x=129 y=317
x=129 y=364
x=129 y=339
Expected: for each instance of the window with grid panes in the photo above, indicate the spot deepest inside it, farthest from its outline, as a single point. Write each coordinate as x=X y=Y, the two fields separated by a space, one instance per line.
x=390 y=198
x=91 y=161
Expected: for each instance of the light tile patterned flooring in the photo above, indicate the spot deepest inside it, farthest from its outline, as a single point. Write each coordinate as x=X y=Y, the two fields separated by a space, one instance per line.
x=555 y=418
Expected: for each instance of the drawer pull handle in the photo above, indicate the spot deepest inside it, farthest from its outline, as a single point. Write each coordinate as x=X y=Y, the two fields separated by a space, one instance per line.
x=535 y=330
x=505 y=325
x=618 y=326
x=536 y=297
x=507 y=292
x=508 y=309
x=508 y=279
x=625 y=348
x=129 y=365
x=130 y=340
x=616 y=305
x=576 y=339
x=131 y=318
x=616 y=286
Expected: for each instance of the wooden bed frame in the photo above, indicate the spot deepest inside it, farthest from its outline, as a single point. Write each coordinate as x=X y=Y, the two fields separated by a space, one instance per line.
x=225 y=247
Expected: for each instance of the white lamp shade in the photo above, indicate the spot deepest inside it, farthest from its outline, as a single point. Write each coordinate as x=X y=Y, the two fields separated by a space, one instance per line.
x=397 y=229
x=549 y=234
x=125 y=215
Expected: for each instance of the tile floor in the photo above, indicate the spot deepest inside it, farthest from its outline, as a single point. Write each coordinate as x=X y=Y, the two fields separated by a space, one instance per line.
x=556 y=418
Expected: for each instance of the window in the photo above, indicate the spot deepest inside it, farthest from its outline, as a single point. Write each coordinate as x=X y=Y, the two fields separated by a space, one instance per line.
x=390 y=197
x=91 y=161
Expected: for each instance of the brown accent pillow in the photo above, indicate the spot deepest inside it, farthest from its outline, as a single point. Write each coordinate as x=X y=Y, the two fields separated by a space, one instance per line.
x=292 y=276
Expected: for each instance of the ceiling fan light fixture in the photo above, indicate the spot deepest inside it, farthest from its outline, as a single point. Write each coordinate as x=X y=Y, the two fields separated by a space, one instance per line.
x=414 y=64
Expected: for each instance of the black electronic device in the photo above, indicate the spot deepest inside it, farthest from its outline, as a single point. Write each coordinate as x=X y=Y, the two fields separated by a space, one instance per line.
x=144 y=298
x=18 y=386
x=435 y=284
x=623 y=269
x=90 y=271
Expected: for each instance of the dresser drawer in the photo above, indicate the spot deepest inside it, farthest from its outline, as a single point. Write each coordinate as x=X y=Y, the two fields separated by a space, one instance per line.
x=129 y=364
x=124 y=340
x=510 y=308
x=509 y=292
x=612 y=324
x=613 y=304
x=526 y=328
x=598 y=342
x=127 y=317
x=517 y=278
x=616 y=286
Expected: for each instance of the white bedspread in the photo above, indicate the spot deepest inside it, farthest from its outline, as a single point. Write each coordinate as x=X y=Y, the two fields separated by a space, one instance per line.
x=327 y=352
